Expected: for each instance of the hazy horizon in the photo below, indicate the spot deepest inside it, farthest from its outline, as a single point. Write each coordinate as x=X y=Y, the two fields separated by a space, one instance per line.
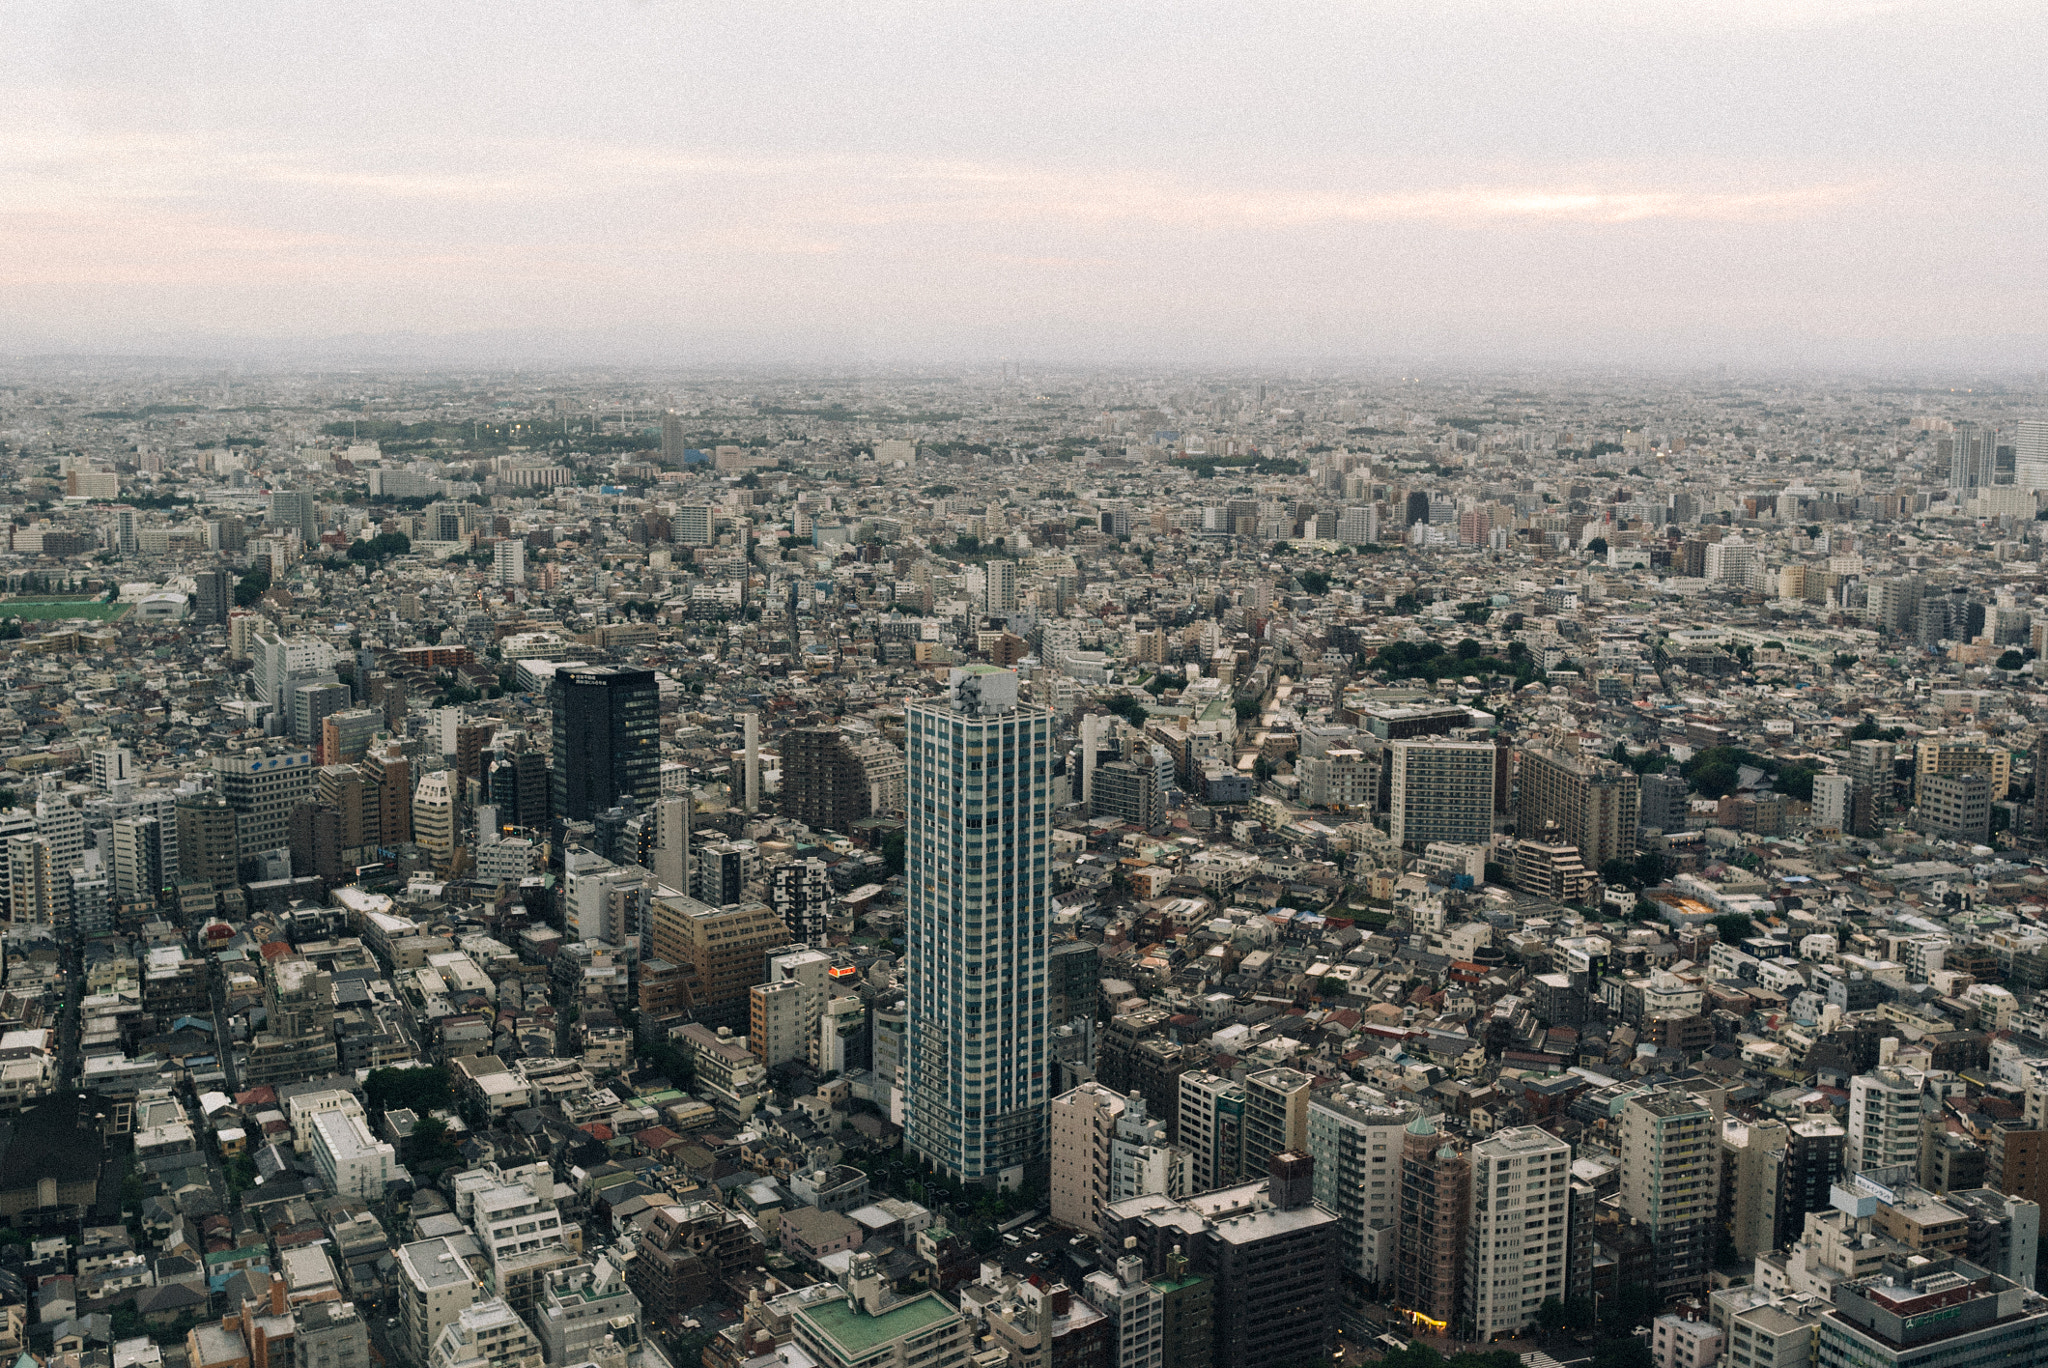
x=1800 y=185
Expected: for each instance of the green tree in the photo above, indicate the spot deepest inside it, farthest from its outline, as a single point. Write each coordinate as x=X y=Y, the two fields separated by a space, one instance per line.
x=1619 y=872
x=251 y=587
x=1716 y=780
x=1407 y=604
x=430 y=1145
x=380 y=547
x=1796 y=781
x=1313 y=582
x=894 y=844
x=669 y=1060
x=415 y=1090
x=1129 y=707
x=1551 y=1315
x=1245 y=708
x=1732 y=927
x=1598 y=546
x=1649 y=869
x=2011 y=660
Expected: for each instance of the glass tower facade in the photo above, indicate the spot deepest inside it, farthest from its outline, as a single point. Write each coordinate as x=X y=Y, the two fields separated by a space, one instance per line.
x=607 y=734
x=979 y=803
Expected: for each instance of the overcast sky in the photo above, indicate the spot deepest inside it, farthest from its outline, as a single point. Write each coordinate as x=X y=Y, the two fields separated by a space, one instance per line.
x=1738 y=181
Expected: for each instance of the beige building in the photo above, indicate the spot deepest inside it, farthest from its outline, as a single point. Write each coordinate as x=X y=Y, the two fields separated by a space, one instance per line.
x=726 y=947
x=1670 y=1182
x=1082 y=1125
x=1579 y=801
x=436 y=1283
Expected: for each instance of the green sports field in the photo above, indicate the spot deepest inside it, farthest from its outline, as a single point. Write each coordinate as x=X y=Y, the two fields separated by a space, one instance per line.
x=47 y=610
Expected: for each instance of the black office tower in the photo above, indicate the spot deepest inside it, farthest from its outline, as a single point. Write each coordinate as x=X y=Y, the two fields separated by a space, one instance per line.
x=607 y=724
x=213 y=596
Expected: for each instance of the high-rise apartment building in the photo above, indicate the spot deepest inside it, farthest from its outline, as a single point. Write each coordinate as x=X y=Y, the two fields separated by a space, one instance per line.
x=208 y=847
x=311 y=706
x=1590 y=803
x=800 y=891
x=1885 y=1108
x=508 y=561
x=1664 y=801
x=294 y=510
x=1106 y=1148
x=1972 y=456
x=283 y=663
x=724 y=869
x=31 y=880
x=1870 y=765
x=668 y=853
x=1359 y=526
x=691 y=525
x=1730 y=560
x=1956 y=807
x=137 y=852
x=1211 y=1129
x=213 y=594
x=1670 y=1182
x=607 y=739
x=1080 y=1125
x=2030 y=455
x=726 y=947
x=518 y=785
x=1269 y=1249
x=1429 y=1235
x=980 y=798
x=433 y=817
x=1772 y=1174
x=1440 y=791
x=824 y=785
x=1965 y=757
x=1518 y=1227
x=1275 y=1115
x=1832 y=806
x=1354 y=1135
x=113 y=768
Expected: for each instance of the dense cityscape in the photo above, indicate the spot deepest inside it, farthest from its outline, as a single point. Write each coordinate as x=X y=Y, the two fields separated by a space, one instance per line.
x=1021 y=867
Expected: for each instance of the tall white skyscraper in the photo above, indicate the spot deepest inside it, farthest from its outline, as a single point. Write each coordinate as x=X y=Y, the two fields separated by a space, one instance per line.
x=2030 y=455
x=979 y=808
x=1001 y=587
x=1831 y=794
x=508 y=561
x=1521 y=1192
x=1885 y=1107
